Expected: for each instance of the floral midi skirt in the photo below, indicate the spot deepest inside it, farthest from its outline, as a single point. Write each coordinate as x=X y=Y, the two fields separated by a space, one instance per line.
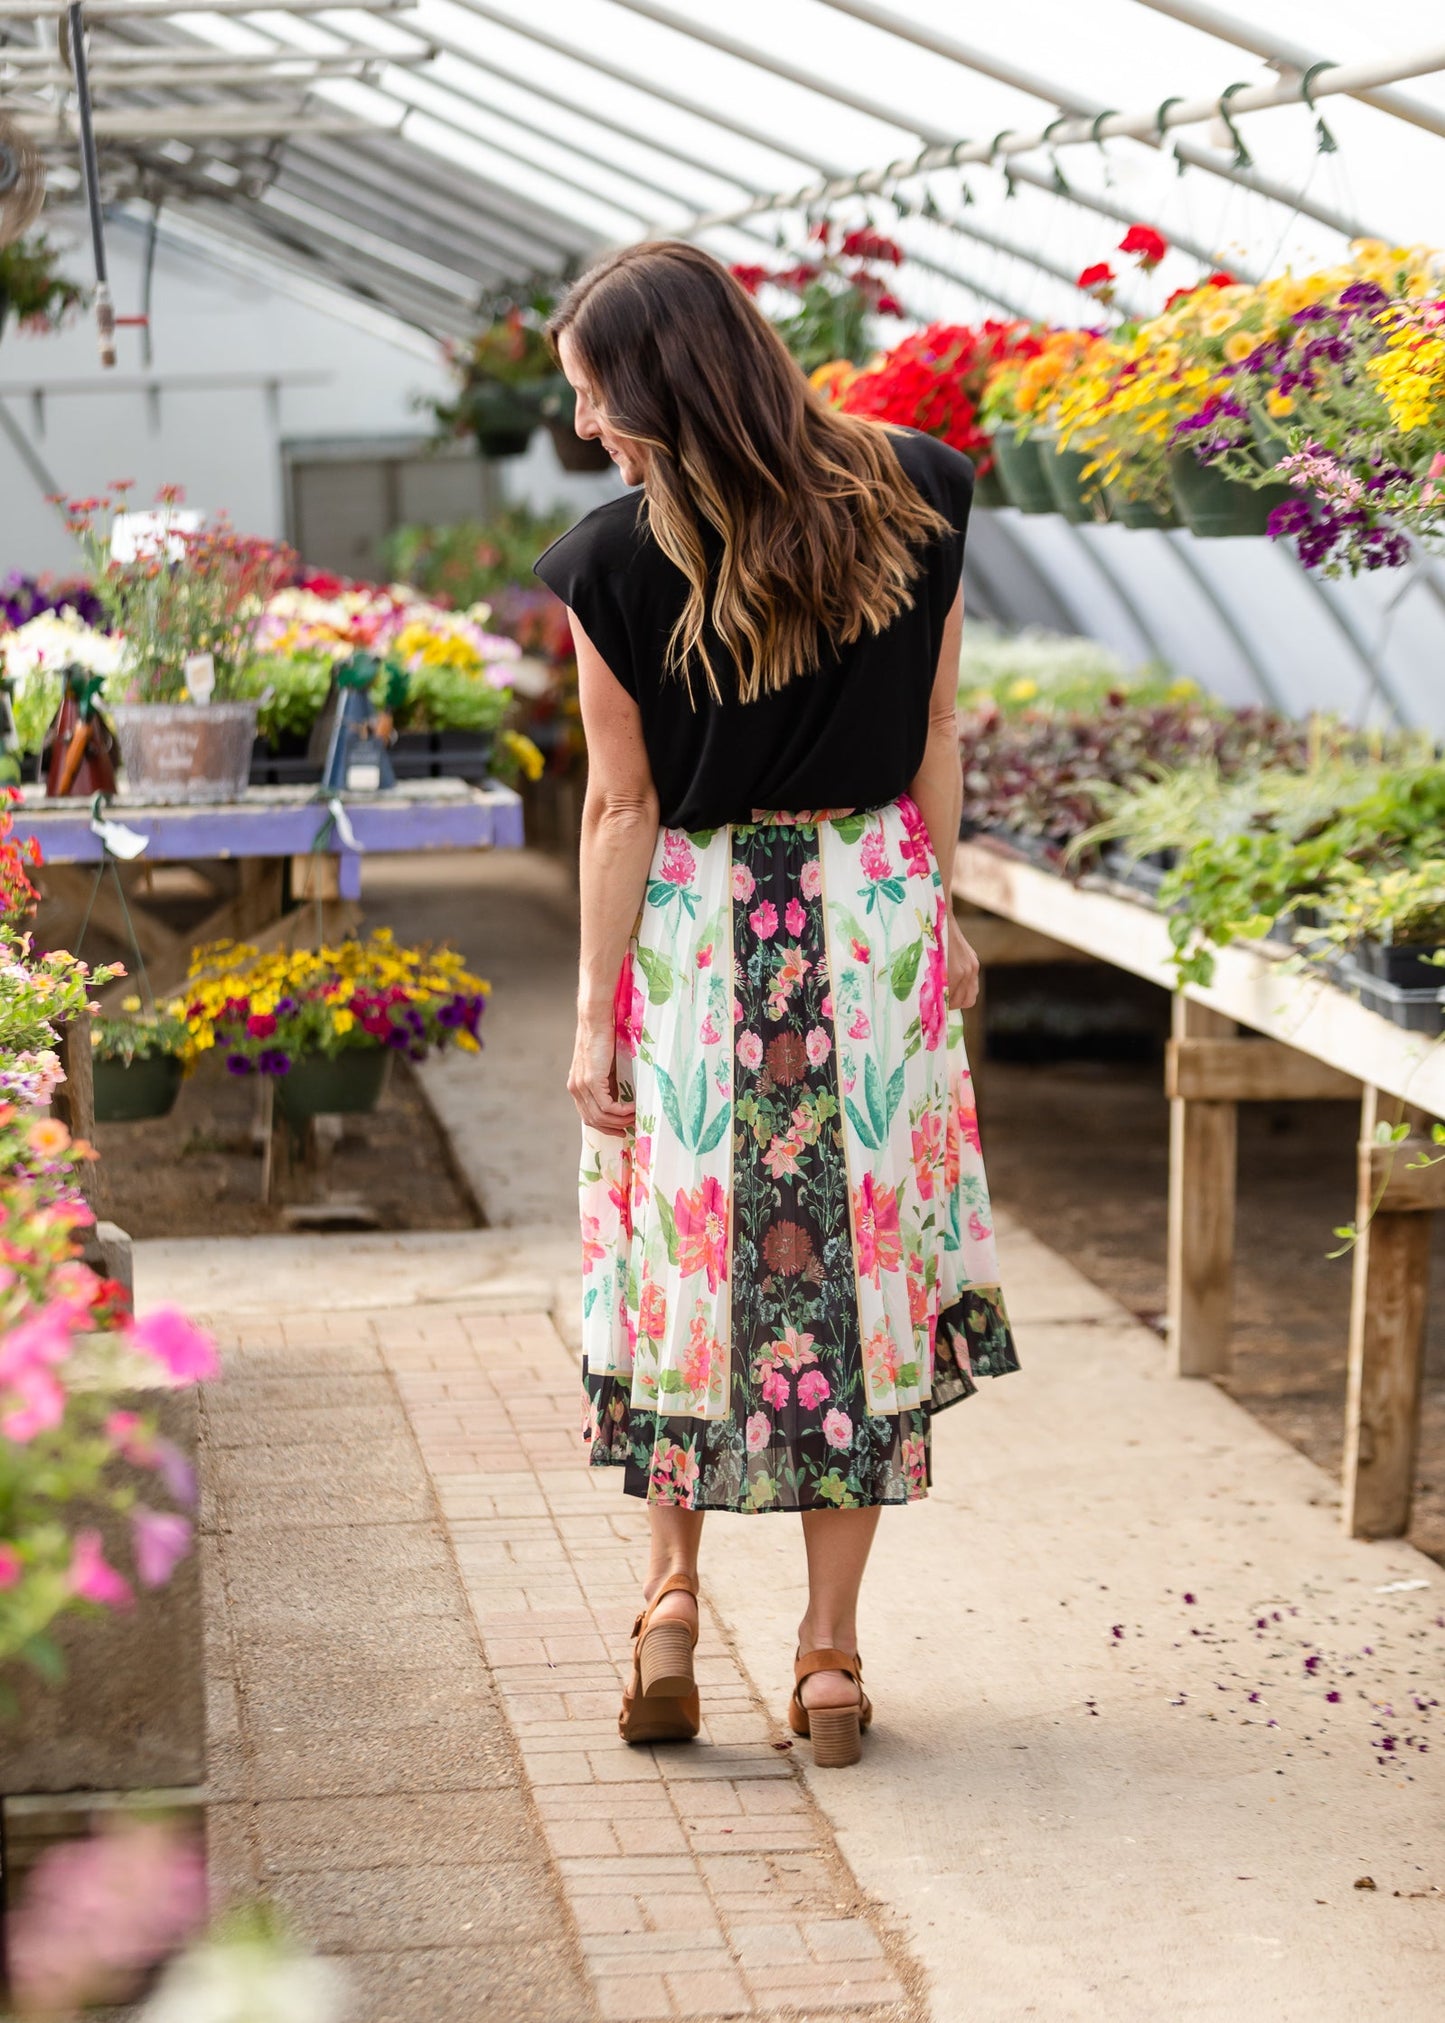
x=789 y=1262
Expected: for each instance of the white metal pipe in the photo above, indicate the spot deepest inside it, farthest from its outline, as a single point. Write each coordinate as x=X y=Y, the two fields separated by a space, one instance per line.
x=1076 y=132
x=160 y=10
x=200 y=122
x=1283 y=49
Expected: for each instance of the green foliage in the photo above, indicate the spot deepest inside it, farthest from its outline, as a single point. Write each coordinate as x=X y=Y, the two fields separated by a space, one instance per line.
x=469 y=563
x=292 y=690
x=450 y=699
x=1040 y=670
x=831 y=321
x=31 y=289
x=137 y=1035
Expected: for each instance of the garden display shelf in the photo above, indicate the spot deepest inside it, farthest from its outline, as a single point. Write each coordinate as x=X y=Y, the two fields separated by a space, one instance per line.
x=1314 y=1041
x=289 y=846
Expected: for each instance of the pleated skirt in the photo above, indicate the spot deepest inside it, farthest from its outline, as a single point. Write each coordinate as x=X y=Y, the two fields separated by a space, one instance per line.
x=789 y=1262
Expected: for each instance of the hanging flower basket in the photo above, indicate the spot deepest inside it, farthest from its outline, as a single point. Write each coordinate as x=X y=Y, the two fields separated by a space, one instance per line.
x=502 y=418
x=1021 y=473
x=333 y=1085
x=127 y=1091
x=558 y=407
x=176 y=752
x=1134 y=512
x=1215 y=507
x=1079 y=499
x=987 y=488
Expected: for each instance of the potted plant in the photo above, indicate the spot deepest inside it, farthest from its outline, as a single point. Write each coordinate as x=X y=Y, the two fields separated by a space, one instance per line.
x=186 y=597
x=557 y=406
x=138 y=1062
x=32 y=291
x=325 y=1023
x=502 y=376
x=838 y=285
x=1392 y=923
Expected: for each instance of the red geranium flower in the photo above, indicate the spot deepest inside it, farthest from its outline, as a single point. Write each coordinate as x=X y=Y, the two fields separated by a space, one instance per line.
x=1097 y=278
x=1148 y=245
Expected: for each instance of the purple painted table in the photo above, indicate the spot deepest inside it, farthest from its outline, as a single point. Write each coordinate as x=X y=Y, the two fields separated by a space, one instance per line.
x=276 y=822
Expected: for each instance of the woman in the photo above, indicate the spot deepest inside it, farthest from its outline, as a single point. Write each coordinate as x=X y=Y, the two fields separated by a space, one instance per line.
x=789 y=1265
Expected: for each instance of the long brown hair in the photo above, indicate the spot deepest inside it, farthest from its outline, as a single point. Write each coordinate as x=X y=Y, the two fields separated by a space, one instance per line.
x=821 y=529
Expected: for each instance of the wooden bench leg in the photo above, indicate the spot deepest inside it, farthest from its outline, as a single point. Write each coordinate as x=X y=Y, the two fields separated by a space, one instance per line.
x=1202 y=1163
x=1387 y=1352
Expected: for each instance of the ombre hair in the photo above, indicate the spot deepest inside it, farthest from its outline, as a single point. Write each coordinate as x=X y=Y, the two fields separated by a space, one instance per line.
x=822 y=531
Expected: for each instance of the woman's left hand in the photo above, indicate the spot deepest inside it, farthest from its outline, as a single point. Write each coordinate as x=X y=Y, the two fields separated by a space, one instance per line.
x=962 y=970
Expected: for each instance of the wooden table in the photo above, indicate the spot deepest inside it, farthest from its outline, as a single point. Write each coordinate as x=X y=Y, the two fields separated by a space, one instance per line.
x=1317 y=1042
x=277 y=837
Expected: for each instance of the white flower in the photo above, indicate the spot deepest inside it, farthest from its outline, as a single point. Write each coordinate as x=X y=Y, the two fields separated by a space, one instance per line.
x=55 y=639
x=247 y=1981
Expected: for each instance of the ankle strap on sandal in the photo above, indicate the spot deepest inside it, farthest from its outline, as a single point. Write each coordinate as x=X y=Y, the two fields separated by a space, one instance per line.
x=676 y=1583
x=809 y=1662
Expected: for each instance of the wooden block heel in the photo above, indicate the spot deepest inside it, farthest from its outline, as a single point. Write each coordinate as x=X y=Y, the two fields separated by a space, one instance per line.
x=664 y=1658
x=837 y=1736
x=661 y=1703
x=835 y=1732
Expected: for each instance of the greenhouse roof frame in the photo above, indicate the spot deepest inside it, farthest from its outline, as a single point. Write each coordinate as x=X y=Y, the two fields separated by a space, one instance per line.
x=213 y=106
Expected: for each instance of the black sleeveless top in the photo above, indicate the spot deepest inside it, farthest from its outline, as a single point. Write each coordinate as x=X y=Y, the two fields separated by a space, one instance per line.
x=849 y=735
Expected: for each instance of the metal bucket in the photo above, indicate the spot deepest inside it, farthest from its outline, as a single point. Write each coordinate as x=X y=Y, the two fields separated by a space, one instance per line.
x=185 y=751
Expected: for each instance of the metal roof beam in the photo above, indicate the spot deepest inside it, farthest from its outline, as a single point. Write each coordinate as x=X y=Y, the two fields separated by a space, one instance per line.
x=1075 y=132
x=413 y=161
x=126 y=11
x=1281 y=49
x=198 y=122
x=350 y=201
x=603 y=68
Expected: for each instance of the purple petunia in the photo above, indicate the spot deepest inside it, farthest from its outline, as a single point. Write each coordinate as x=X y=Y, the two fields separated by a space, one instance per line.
x=238 y=1064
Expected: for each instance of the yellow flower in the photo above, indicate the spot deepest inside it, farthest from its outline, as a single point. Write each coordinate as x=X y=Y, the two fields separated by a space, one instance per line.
x=1278 y=403
x=1221 y=320
x=1238 y=347
x=342 y=1019
x=130 y=1004
x=1022 y=690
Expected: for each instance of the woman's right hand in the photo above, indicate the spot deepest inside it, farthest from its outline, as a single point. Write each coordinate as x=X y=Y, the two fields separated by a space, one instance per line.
x=592 y=1081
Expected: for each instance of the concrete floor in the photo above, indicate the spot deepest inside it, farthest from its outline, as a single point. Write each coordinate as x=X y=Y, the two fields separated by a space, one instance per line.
x=1146 y=1719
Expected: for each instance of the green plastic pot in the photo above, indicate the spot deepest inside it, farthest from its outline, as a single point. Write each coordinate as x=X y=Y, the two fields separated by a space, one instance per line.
x=1132 y=512
x=127 y=1091
x=1020 y=472
x=503 y=418
x=987 y=491
x=1077 y=498
x=1268 y=440
x=332 y=1085
x=1214 y=507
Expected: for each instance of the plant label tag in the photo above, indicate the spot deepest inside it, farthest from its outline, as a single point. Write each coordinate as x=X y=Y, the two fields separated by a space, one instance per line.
x=363 y=776
x=200 y=673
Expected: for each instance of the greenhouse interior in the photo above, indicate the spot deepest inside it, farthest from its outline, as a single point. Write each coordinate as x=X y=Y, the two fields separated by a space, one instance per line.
x=333 y=829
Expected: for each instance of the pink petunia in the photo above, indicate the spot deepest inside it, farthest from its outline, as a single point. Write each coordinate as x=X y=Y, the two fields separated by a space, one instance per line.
x=42 y=1340
x=185 y=1350
x=759 y=1431
x=795 y=916
x=11 y=1567
x=92 y=1578
x=837 y=1428
x=750 y=1050
x=744 y=884
x=812 y=879
x=813 y=1388
x=764 y=920
x=819 y=1046
x=37 y=1405
x=161 y=1541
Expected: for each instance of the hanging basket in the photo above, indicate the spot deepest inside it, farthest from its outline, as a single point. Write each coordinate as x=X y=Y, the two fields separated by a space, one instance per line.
x=175 y=752
x=502 y=418
x=1214 y=507
x=1133 y=512
x=1270 y=442
x=1079 y=499
x=1020 y=472
x=987 y=489
x=574 y=452
x=128 y=1091
x=332 y=1085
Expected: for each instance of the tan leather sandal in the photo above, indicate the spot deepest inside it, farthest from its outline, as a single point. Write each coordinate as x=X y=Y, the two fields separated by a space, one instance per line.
x=834 y=1731
x=661 y=1702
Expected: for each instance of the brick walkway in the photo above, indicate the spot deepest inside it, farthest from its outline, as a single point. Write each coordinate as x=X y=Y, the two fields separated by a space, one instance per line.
x=423 y=1605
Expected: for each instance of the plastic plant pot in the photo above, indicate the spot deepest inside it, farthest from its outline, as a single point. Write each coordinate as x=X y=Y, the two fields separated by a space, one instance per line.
x=987 y=490
x=1403 y=963
x=333 y=1085
x=1077 y=498
x=1133 y=512
x=1020 y=472
x=128 y=1091
x=1214 y=507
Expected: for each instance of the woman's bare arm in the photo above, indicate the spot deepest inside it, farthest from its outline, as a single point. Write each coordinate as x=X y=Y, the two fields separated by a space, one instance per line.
x=938 y=789
x=619 y=832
